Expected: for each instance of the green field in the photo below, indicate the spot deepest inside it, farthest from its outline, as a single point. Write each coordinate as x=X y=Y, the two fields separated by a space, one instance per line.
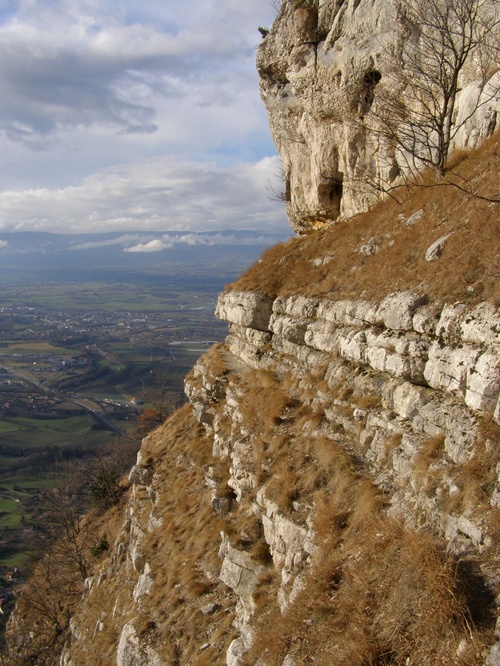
x=15 y=494
x=24 y=482
x=10 y=514
x=35 y=445
x=33 y=348
x=114 y=337
x=102 y=296
x=8 y=426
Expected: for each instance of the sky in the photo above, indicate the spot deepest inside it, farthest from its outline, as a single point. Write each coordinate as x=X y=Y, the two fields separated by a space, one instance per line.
x=125 y=115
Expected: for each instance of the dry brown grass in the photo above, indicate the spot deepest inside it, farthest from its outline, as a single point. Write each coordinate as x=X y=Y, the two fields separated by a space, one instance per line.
x=264 y=403
x=377 y=593
x=214 y=367
x=392 y=443
x=470 y=259
x=310 y=420
x=367 y=401
x=213 y=360
x=405 y=598
x=184 y=549
x=476 y=478
x=182 y=553
x=430 y=450
x=380 y=594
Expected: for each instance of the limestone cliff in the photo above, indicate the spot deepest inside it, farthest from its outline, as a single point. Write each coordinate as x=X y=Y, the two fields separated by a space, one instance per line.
x=317 y=66
x=331 y=493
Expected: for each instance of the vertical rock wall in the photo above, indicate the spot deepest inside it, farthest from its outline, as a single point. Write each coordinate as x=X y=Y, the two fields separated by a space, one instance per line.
x=318 y=66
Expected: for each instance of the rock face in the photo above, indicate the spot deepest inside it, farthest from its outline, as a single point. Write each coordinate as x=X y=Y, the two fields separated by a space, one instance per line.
x=455 y=350
x=405 y=384
x=331 y=492
x=411 y=347
x=317 y=65
x=317 y=410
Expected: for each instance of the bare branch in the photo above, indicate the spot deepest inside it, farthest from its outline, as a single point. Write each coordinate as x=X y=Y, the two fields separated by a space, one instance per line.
x=413 y=112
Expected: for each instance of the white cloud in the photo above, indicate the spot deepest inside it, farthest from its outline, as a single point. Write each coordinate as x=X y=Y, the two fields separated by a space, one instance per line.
x=159 y=195
x=153 y=243
x=130 y=116
x=4 y=243
x=152 y=246
x=124 y=240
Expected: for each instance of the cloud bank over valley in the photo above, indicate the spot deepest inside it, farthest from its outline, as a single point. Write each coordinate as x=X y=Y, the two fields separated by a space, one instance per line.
x=120 y=117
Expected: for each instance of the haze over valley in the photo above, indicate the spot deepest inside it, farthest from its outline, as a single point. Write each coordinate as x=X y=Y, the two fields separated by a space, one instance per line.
x=91 y=336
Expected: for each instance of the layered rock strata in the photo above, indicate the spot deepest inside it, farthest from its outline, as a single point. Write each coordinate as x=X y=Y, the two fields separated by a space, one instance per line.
x=432 y=370
x=404 y=387
x=313 y=415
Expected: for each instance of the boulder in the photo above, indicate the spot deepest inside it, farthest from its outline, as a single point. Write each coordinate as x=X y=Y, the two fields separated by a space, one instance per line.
x=245 y=308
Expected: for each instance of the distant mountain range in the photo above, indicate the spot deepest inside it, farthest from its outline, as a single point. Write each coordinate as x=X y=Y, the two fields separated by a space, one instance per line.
x=25 y=253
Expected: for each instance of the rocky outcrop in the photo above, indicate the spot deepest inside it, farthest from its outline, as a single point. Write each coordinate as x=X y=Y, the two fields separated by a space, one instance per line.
x=403 y=386
x=331 y=493
x=337 y=447
x=131 y=650
x=327 y=444
x=317 y=65
x=454 y=350
x=332 y=489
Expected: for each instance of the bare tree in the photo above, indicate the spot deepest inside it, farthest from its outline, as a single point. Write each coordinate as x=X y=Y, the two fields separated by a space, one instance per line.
x=42 y=616
x=279 y=193
x=414 y=107
x=46 y=601
x=159 y=399
x=99 y=478
x=64 y=548
x=70 y=534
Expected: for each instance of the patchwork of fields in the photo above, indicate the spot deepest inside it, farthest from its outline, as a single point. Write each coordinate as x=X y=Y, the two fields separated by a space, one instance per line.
x=78 y=362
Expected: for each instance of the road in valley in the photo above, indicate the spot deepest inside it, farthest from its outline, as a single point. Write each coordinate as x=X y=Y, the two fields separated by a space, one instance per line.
x=92 y=412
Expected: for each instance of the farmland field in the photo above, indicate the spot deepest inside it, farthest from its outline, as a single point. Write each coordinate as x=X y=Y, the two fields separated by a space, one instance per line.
x=91 y=336
x=79 y=359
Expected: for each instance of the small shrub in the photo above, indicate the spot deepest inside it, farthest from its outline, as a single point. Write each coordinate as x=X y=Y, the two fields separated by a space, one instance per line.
x=105 y=489
x=100 y=547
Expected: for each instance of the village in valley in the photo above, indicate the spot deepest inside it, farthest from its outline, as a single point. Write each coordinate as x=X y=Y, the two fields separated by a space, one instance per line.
x=78 y=365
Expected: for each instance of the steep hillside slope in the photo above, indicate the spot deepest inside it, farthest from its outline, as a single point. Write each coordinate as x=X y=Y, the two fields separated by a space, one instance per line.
x=386 y=249
x=332 y=492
